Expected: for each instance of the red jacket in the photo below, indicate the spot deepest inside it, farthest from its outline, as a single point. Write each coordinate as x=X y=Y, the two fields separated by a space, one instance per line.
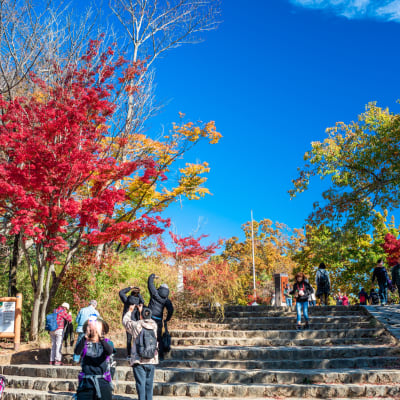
x=61 y=316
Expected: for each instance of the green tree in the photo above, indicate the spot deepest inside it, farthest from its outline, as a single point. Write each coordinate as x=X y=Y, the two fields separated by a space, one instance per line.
x=362 y=161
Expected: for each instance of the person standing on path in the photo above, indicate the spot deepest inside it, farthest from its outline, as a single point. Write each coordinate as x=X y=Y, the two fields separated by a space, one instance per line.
x=158 y=301
x=323 y=284
x=381 y=276
x=301 y=291
x=396 y=275
x=81 y=318
x=363 y=297
x=288 y=296
x=134 y=298
x=95 y=351
x=143 y=331
x=57 y=335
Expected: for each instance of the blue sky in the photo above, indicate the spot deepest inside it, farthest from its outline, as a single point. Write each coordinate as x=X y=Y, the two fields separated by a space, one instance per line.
x=274 y=76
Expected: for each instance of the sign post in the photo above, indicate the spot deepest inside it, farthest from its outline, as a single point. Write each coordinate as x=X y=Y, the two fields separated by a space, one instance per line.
x=10 y=318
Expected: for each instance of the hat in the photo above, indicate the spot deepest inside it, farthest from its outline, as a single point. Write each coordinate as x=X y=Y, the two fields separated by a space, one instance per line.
x=65 y=305
x=164 y=285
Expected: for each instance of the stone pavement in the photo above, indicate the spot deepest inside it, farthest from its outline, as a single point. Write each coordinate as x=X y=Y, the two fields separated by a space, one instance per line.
x=255 y=353
x=389 y=316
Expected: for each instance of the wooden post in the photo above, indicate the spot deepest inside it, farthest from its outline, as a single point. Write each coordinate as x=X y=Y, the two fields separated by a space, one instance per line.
x=18 y=320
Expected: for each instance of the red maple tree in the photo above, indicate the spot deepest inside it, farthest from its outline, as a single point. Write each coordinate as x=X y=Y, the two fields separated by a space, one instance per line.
x=57 y=182
x=392 y=248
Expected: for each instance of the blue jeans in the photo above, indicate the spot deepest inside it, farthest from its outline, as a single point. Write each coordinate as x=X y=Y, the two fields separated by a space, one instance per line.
x=383 y=292
x=76 y=358
x=289 y=301
x=302 y=305
x=144 y=375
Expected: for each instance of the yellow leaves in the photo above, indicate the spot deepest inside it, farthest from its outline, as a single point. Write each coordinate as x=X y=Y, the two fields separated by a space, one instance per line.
x=194 y=133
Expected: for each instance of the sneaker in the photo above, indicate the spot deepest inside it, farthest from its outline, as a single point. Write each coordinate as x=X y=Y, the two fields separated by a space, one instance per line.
x=298 y=327
x=306 y=326
x=51 y=363
x=58 y=363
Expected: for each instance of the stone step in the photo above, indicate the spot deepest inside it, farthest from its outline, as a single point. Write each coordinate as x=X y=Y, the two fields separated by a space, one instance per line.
x=279 y=353
x=208 y=375
x=23 y=394
x=215 y=341
x=287 y=334
x=270 y=309
x=287 y=326
x=315 y=390
x=307 y=363
x=290 y=319
x=291 y=313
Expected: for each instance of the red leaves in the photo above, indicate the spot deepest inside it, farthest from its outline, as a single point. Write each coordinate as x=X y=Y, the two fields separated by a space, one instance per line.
x=187 y=248
x=53 y=177
x=392 y=248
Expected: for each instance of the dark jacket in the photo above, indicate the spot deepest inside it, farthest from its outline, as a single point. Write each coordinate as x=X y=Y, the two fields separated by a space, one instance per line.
x=159 y=299
x=306 y=287
x=381 y=275
x=396 y=275
x=323 y=282
x=128 y=301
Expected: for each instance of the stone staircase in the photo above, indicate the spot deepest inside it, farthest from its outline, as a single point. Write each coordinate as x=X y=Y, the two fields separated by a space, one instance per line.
x=254 y=353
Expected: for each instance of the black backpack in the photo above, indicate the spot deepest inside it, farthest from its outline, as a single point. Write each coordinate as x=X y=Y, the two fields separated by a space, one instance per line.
x=374 y=298
x=323 y=280
x=146 y=343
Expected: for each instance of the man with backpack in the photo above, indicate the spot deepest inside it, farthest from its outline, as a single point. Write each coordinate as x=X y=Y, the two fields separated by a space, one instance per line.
x=55 y=325
x=396 y=275
x=381 y=276
x=158 y=301
x=323 y=284
x=144 y=350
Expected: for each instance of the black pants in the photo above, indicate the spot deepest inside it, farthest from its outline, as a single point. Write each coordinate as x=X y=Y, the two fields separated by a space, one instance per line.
x=128 y=343
x=90 y=393
x=325 y=297
x=159 y=335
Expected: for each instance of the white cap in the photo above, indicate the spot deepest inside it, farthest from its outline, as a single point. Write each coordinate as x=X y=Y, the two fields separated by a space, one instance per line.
x=65 y=305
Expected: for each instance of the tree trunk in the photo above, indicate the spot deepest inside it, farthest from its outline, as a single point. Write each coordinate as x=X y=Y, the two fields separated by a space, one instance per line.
x=180 y=279
x=33 y=334
x=12 y=274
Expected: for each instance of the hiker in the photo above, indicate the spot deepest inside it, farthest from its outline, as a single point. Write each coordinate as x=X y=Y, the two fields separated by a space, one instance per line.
x=396 y=275
x=339 y=298
x=288 y=296
x=68 y=332
x=381 y=276
x=158 y=301
x=81 y=318
x=323 y=284
x=95 y=351
x=345 y=300
x=134 y=298
x=374 y=298
x=57 y=334
x=301 y=291
x=145 y=353
x=312 y=300
x=363 y=297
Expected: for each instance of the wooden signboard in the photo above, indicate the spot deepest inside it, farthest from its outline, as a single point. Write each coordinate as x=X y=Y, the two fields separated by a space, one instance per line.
x=281 y=280
x=10 y=318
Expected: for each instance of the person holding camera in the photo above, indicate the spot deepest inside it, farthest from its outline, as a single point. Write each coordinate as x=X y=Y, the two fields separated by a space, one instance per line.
x=301 y=291
x=145 y=349
x=134 y=298
x=95 y=352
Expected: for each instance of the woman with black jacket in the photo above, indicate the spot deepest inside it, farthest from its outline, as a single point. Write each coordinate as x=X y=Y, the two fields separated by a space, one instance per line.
x=301 y=291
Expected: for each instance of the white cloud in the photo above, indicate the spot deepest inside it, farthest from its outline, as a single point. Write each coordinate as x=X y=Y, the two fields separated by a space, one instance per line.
x=388 y=10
